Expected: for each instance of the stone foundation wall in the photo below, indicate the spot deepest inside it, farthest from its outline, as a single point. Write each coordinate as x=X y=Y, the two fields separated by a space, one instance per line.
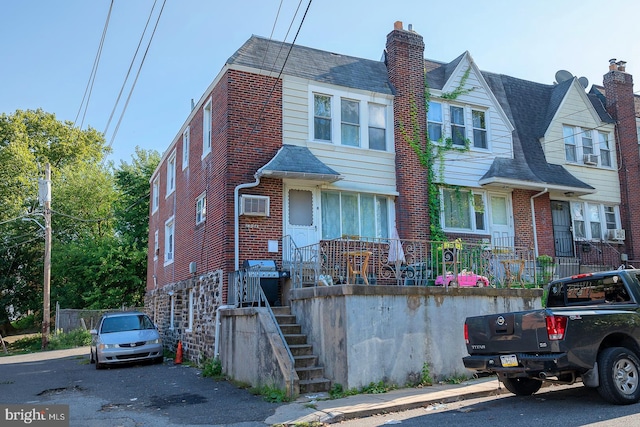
x=186 y=311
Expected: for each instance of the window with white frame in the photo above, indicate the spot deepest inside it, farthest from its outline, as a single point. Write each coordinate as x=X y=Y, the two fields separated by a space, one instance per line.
x=377 y=127
x=186 y=143
x=206 y=129
x=434 y=121
x=354 y=214
x=592 y=221
x=605 y=149
x=169 y=241
x=458 y=131
x=587 y=141
x=156 y=245
x=463 y=210
x=580 y=147
x=355 y=120
x=321 y=117
x=171 y=174
x=350 y=127
x=155 y=197
x=173 y=312
x=191 y=310
x=569 y=143
x=479 y=124
x=201 y=208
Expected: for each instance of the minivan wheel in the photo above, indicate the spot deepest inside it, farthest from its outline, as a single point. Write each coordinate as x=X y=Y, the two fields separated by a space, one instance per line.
x=619 y=372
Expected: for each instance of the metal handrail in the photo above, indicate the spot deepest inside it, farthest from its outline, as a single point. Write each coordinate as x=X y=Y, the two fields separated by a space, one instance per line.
x=246 y=288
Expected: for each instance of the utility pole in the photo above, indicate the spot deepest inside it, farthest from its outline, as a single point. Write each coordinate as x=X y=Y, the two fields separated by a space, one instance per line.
x=46 y=197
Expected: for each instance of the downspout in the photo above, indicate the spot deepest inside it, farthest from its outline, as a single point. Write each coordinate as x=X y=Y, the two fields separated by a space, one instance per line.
x=533 y=217
x=236 y=217
x=236 y=249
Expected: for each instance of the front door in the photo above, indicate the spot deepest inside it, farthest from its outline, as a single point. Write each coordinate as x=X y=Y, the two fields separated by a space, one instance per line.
x=500 y=220
x=301 y=215
x=562 y=236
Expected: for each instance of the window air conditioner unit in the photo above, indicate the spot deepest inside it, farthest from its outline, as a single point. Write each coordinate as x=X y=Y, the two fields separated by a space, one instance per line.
x=254 y=205
x=591 y=159
x=617 y=234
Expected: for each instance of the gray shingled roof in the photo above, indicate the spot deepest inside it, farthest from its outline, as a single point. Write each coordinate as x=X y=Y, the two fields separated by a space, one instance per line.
x=530 y=107
x=313 y=64
x=294 y=161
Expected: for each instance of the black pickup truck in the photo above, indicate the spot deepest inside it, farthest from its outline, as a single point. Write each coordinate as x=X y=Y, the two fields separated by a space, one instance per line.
x=589 y=330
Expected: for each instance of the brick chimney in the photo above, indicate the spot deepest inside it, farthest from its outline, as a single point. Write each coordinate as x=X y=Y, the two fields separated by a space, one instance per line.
x=618 y=86
x=405 y=67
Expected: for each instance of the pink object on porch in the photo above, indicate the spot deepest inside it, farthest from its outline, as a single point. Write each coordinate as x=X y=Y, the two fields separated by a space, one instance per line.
x=464 y=279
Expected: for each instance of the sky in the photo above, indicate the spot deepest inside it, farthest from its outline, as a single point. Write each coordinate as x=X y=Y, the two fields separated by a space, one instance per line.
x=49 y=49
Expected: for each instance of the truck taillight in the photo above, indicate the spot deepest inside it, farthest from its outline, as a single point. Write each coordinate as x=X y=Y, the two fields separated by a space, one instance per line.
x=556 y=326
x=466 y=333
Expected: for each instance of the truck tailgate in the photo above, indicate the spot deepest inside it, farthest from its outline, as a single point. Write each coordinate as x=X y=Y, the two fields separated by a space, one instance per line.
x=522 y=332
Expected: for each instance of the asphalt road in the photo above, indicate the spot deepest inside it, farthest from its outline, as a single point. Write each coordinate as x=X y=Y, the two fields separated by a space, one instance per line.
x=131 y=396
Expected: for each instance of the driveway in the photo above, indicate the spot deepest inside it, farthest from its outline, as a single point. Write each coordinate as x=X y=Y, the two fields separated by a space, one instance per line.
x=128 y=396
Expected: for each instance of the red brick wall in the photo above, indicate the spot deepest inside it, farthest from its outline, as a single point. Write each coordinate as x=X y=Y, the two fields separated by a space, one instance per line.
x=544 y=225
x=620 y=104
x=240 y=145
x=405 y=65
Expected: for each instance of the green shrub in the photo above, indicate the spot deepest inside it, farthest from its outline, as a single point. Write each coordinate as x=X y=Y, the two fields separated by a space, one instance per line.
x=26 y=323
x=71 y=339
x=212 y=368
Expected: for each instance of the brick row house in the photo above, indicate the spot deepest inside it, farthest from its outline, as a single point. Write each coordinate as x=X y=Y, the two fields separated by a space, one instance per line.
x=294 y=141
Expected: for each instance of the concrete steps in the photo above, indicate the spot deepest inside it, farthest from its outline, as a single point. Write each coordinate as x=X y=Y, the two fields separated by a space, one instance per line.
x=311 y=374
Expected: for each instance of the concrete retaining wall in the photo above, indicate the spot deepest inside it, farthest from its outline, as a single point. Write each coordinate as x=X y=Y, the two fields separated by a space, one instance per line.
x=365 y=334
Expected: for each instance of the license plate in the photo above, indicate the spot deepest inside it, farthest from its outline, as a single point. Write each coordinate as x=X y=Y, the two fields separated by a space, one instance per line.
x=509 y=360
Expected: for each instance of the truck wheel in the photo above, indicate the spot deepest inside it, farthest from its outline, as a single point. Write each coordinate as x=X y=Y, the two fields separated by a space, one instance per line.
x=521 y=386
x=619 y=371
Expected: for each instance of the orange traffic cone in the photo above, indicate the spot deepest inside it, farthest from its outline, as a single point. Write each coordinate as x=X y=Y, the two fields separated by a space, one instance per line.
x=178 y=359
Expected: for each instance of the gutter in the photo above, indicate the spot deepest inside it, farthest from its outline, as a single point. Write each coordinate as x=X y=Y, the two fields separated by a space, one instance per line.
x=533 y=218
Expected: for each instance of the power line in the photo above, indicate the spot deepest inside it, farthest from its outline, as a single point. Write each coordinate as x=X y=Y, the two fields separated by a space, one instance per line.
x=94 y=71
x=115 y=132
x=130 y=67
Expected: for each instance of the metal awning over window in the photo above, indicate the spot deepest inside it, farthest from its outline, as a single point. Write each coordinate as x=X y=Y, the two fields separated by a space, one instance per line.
x=297 y=162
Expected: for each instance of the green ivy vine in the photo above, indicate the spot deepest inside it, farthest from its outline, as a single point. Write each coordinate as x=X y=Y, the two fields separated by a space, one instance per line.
x=434 y=151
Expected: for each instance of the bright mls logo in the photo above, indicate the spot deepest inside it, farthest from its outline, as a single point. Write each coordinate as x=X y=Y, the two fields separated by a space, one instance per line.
x=34 y=415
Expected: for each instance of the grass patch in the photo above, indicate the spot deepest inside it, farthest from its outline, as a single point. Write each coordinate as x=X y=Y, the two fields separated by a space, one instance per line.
x=32 y=344
x=212 y=368
x=271 y=394
x=337 y=391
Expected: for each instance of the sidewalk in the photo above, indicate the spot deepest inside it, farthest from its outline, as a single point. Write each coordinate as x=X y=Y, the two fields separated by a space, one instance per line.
x=309 y=409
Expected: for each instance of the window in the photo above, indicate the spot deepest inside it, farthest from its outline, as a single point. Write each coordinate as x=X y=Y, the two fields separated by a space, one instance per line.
x=186 y=136
x=169 y=242
x=479 y=129
x=350 y=128
x=605 y=150
x=322 y=117
x=365 y=215
x=206 y=129
x=171 y=174
x=201 y=208
x=173 y=312
x=592 y=221
x=156 y=245
x=377 y=127
x=351 y=121
x=458 y=133
x=434 y=121
x=569 y=143
x=587 y=141
x=191 y=310
x=610 y=218
x=463 y=210
x=156 y=194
